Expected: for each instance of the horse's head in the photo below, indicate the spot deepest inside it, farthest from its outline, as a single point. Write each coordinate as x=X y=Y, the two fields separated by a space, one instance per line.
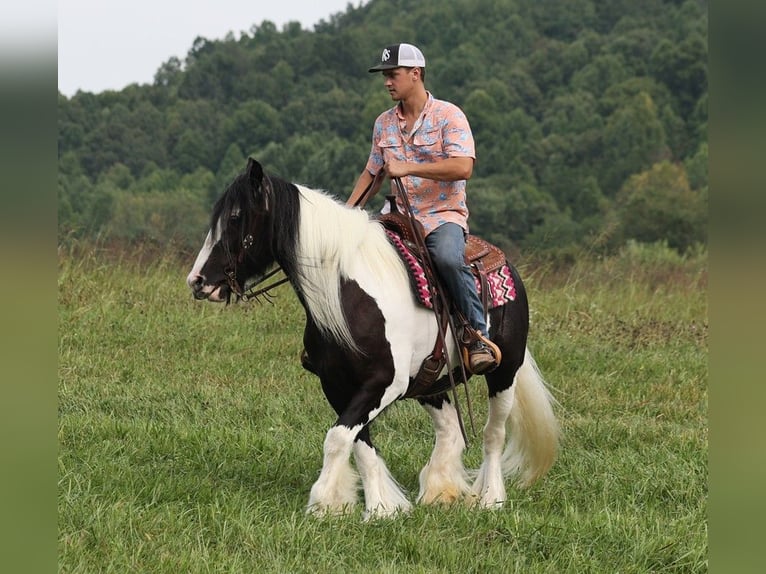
x=238 y=247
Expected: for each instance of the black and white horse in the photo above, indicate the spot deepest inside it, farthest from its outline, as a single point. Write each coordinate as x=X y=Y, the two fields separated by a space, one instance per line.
x=366 y=337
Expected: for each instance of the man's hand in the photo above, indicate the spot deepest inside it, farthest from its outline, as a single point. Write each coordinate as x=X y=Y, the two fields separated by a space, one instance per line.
x=395 y=168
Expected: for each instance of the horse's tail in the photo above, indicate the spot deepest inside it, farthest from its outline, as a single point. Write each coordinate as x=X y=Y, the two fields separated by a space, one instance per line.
x=533 y=428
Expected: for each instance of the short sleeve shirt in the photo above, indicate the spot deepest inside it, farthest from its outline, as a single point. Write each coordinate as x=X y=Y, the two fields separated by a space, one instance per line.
x=442 y=131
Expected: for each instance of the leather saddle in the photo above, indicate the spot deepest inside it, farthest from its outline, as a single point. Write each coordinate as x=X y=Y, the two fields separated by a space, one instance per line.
x=480 y=255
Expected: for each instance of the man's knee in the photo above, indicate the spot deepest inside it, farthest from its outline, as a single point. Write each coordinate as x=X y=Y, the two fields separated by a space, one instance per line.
x=446 y=258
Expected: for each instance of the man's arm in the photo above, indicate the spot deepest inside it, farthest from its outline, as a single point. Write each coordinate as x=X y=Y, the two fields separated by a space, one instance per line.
x=448 y=169
x=365 y=179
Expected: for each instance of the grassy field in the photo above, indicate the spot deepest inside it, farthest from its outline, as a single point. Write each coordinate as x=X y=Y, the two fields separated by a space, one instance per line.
x=190 y=436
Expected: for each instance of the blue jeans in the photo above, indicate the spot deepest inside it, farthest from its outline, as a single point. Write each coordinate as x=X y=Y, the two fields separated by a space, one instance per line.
x=446 y=245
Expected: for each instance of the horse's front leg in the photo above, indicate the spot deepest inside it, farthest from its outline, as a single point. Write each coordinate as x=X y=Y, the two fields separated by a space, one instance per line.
x=335 y=491
x=383 y=496
x=444 y=479
x=336 y=488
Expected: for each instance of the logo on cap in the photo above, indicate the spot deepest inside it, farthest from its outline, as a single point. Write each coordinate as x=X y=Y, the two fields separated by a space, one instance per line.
x=386 y=55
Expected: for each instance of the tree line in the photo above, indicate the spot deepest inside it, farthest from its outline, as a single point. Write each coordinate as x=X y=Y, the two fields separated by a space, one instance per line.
x=590 y=120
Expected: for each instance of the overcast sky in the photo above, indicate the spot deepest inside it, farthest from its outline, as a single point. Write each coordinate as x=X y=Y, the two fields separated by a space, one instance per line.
x=109 y=44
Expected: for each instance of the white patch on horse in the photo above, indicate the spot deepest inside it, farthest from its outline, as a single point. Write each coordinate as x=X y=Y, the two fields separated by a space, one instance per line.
x=383 y=497
x=202 y=257
x=489 y=485
x=334 y=492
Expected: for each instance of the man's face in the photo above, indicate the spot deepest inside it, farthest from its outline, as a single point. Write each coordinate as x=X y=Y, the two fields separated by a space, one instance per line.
x=399 y=82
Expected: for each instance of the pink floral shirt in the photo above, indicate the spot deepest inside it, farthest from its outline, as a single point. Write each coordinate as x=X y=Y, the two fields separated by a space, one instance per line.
x=441 y=131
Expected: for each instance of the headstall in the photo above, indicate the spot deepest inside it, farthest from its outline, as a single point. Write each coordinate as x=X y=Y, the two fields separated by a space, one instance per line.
x=251 y=293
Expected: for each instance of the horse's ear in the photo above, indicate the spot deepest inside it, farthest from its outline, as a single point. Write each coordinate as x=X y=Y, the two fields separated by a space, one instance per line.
x=254 y=172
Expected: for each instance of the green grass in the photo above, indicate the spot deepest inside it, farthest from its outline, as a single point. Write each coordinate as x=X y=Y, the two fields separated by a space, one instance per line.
x=190 y=436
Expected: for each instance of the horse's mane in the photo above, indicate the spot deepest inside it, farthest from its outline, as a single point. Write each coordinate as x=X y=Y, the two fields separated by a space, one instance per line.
x=317 y=241
x=340 y=242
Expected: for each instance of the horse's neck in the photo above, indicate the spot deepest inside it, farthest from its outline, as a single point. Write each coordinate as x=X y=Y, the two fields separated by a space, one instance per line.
x=324 y=248
x=327 y=226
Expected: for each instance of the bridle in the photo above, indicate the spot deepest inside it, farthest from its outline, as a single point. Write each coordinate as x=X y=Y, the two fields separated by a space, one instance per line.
x=250 y=293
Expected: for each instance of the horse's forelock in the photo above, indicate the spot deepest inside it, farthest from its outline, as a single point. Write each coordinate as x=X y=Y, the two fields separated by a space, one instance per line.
x=237 y=199
x=268 y=209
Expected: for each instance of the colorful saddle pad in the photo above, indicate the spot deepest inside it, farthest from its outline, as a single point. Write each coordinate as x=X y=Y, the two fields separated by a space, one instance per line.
x=499 y=281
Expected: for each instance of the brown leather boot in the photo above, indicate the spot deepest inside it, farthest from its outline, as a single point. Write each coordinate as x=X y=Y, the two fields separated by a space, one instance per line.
x=481 y=355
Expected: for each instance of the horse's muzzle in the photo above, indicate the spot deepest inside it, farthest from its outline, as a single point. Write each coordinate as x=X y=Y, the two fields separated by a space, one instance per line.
x=197 y=284
x=204 y=292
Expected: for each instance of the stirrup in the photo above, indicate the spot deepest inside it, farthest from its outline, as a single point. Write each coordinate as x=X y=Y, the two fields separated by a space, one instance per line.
x=493 y=350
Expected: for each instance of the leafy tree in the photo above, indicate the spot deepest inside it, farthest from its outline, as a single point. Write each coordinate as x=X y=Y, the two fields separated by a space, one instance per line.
x=682 y=68
x=252 y=125
x=697 y=168
x=199 y=124
x=232 y=164
x=563 y=19
x=169 y=74
x=696 y=126
x=75 y=194
x=526 y=94
x=634 y=48
x=333 y=166
x=556 y=236
x=190 y=151
x=572 y=113
x=600 y=73
x=480 y=107
x=504 y=213
x=160 y=218
x=658 y=204
x=634 y=139
x=117 y=176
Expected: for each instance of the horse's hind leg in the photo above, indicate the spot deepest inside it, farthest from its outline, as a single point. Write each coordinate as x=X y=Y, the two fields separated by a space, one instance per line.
x=510 y=331
x=489 y=485
x=382 y=494
x=444 y=479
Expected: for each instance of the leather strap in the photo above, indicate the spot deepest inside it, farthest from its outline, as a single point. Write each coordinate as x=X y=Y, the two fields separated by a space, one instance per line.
x=441 y=308
x=483 y=283
x=371 y=189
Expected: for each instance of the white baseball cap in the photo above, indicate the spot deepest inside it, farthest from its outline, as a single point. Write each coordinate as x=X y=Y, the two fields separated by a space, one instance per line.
x=400 y=56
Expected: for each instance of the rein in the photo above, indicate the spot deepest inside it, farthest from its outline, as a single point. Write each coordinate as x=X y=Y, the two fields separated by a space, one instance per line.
x=251 y=293
x=441 y=310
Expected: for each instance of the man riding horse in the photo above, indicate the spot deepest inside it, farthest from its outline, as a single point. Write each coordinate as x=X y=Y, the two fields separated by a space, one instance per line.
x=428 y=144
x=366 y=336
